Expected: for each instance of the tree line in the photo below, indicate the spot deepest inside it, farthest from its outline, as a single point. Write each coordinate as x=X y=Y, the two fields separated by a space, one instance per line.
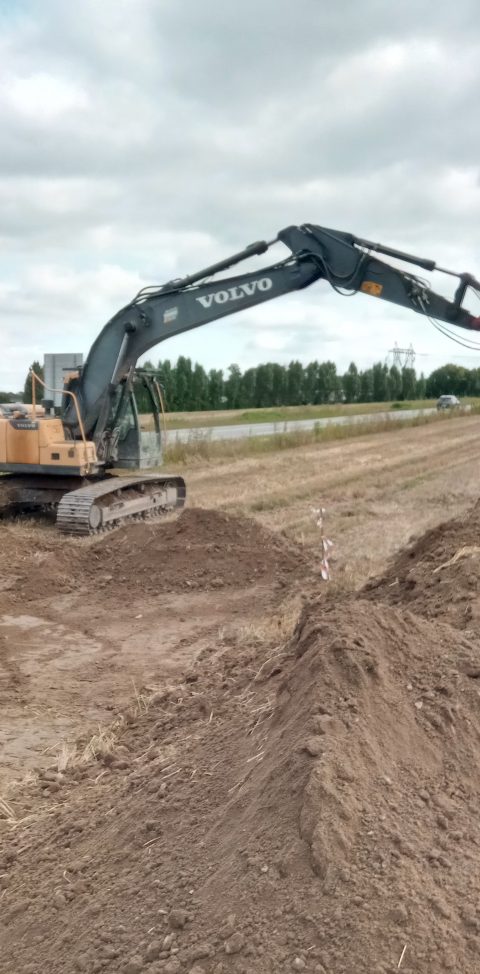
x=189 y=387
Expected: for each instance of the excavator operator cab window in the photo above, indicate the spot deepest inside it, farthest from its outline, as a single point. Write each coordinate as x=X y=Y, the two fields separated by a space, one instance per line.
x=146 y=399
x=128 y=419
x=138 y=425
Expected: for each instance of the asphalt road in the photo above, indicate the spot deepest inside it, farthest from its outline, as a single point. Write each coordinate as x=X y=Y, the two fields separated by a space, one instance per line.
x=245 y=430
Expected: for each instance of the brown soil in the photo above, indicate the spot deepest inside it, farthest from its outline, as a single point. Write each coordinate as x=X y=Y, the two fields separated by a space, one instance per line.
x=264 y=804
x=438 y=576
x=201 y=549
x=82 y=624
x=315 y=809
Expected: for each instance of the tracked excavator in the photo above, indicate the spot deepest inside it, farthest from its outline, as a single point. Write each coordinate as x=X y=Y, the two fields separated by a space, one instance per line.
x=68 y=461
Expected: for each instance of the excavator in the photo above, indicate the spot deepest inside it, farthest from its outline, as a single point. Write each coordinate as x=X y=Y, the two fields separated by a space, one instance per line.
x=68 y=461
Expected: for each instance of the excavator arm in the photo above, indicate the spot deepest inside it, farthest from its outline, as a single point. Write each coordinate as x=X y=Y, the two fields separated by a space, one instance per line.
x=346 y=262
x=68 y=461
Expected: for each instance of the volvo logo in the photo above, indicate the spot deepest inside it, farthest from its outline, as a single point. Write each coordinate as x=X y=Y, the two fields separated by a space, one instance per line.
x=246 y=290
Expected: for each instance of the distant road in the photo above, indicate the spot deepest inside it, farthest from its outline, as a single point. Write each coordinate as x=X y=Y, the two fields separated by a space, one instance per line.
x=244 y=430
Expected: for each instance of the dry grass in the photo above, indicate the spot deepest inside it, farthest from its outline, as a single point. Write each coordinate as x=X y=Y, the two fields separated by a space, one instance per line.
x=201 y=448
x=6 y=811
x=102 y=743
x=245 y=484
x=66 y=756
x=36 y=529
x=267 y=632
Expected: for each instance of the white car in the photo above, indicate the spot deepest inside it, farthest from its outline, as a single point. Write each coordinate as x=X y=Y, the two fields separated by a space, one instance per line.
x=448 y=402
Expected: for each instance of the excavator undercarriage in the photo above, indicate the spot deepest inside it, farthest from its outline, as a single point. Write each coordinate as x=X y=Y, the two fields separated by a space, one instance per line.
x=85 y=506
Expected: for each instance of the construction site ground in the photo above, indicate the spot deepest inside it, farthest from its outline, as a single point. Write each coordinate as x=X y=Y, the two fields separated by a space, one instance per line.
x=212 y=760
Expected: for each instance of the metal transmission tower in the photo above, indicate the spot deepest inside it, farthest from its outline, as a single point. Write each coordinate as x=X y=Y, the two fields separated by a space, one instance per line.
x=403 y=358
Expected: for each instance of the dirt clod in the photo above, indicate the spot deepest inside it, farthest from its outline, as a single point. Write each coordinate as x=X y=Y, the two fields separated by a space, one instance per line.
x=178 y=919
x=172 y=966
x=134 y=966
x=314 y=746
x=235 y=944
x=153 y=951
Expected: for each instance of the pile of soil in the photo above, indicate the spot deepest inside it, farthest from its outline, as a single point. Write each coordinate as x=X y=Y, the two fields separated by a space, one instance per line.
x=200 y=549
x=438 y=576
x=315 y=810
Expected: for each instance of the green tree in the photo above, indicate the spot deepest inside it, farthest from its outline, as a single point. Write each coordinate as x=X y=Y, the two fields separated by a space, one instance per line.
x=409 y=383
x=199 y=388
x=351 y=383
x=473 y=383
x=450 y=380
x=264 y=386
x=327 y=382
x=183 y=383
x=379 y=383
x=294 y=383
x=421 y=386
x=395 y=383
x=366 y=385
x=27 y=389
x=215 y=388
x=279 y=385
x=233 y=387
x=310 y=378
x=248 y=387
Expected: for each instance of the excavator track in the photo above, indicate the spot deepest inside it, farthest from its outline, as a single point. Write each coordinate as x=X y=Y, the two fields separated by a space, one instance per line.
x=107 y=504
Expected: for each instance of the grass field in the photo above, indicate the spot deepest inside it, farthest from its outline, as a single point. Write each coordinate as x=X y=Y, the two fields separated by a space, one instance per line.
x=201 y=448
x=278 y=414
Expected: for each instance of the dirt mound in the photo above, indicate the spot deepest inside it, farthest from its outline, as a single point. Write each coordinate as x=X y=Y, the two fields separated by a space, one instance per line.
x=438 y=576
x=315 y=810
x=200 y=549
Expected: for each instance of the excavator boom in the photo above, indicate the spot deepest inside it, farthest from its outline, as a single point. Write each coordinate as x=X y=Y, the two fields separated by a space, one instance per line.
x=100 y=407
x=344 y=261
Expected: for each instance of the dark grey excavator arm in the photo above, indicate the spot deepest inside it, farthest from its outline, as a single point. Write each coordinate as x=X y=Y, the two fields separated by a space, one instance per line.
x=346 y=262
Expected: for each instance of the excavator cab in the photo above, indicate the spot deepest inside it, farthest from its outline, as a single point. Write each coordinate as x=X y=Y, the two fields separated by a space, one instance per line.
x=136 y=428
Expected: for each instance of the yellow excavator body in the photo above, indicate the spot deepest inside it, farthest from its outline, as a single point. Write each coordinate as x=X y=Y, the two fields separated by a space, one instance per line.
x=37 y=444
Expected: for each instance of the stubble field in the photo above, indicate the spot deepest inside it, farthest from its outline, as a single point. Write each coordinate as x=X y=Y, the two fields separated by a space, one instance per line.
x=282 y=770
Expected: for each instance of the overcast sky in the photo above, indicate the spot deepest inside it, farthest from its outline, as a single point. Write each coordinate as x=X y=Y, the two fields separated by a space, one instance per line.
x=142 y=139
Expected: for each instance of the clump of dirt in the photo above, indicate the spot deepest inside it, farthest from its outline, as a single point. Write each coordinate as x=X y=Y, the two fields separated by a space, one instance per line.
x=315 y=810
x=200 y=549
x=438 y=576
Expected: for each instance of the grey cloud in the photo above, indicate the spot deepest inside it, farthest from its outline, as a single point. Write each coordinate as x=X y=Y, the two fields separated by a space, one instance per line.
x=181 y=131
